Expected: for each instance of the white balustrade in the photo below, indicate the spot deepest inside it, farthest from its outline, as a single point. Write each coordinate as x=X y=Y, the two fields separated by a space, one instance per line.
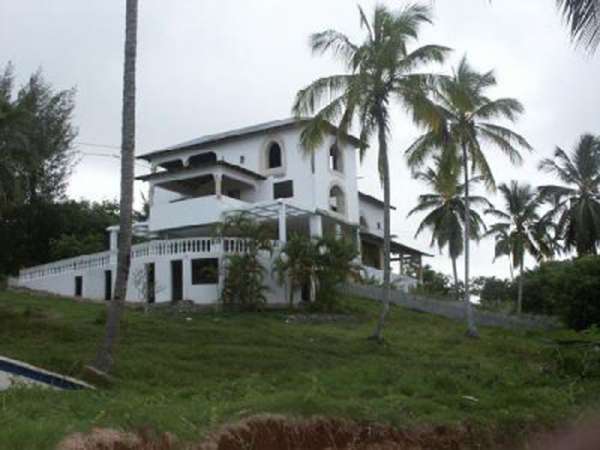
x=206 y=246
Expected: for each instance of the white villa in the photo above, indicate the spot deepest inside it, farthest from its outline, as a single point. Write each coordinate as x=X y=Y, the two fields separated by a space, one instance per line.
x=261 y=170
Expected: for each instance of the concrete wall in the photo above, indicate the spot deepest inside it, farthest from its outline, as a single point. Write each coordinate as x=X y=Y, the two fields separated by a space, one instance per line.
x=94 y=281
x=451 y=310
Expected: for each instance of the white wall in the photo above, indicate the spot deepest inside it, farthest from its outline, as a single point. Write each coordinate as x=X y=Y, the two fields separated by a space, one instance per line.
x=373 y=215
x=311 y=191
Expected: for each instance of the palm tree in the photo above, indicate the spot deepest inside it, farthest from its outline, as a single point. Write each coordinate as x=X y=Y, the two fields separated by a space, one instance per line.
x=576 y=207
x=379 y=71
x=520 y=229
x=583 y=17
x=464 y=122
x=104 y=357
x=447 y=211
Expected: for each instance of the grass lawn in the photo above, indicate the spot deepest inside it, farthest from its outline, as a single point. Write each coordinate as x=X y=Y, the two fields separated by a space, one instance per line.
x=187 y=376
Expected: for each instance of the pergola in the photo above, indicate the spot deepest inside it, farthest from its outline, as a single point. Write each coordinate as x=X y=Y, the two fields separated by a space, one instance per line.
x=278 y=210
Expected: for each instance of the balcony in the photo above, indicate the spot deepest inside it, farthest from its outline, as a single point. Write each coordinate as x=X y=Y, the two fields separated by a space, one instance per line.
x=192 y=212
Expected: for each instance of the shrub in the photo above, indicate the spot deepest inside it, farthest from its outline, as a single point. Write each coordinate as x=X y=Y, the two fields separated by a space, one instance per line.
x=495 y=293
x=570 y=289
x=244 y=282
x=318 y=264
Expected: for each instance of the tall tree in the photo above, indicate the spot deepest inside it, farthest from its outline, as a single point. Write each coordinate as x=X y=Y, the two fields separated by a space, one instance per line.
x=446 y=211
x=464 y=122
x=105 y=355
x=583 y=17
x=36 y=137
x=380 y=70
x=519 y=230
x=575 y=208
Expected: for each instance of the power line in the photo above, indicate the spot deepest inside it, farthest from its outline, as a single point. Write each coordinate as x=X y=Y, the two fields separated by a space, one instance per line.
x=90 y=144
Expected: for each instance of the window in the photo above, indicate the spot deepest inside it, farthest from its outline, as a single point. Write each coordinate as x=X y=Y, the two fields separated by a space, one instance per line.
x=274 y=156
x=379 y=225
x=335 y=159
x=337 y=201
x=242 y=159
x=205 y=271
x=283 y=189
x=363 y=223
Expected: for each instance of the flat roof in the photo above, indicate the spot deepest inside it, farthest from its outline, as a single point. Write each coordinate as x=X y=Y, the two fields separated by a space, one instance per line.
x=238 y=133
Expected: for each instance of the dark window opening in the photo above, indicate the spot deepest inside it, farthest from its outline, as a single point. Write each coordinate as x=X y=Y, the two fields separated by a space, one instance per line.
x=335 y=162
x=234 y=193
x=242 y=159
x=78 y=286
x=337 y=201
x=205 y=271
x=283 y=189
x=274 y=155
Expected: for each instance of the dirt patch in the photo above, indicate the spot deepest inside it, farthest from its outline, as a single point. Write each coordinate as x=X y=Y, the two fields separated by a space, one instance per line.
x=281 y=433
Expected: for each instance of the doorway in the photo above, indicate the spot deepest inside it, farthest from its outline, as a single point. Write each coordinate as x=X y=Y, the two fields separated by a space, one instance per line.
x=150 y=283
x=176 y=280
x=78 y=286
x=107 y=285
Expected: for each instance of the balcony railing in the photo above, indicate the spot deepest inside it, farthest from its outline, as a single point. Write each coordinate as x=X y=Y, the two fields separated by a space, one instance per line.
x=197 y=246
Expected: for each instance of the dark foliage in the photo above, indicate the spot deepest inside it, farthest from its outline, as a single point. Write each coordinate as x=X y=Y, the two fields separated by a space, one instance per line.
x=570 y=289
x=41 y=232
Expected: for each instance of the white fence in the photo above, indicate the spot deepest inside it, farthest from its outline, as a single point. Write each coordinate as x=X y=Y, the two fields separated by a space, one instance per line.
x=148 y=249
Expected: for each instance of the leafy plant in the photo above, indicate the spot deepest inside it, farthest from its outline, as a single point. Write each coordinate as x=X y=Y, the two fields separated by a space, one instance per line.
x=244 y=280
x=317 y=265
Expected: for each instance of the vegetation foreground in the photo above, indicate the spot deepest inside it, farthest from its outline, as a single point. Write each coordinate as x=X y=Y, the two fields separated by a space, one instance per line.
x=188 y=373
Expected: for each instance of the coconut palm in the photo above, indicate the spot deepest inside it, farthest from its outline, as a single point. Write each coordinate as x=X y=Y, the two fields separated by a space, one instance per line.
x=446 y=211
x=576 y=206
x=380 y=70
x=463 y=117
x=520 y=229
x=583 y=17
x=104 y=357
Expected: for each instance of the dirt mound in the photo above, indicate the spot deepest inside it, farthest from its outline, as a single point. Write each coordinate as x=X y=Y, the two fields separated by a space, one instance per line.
x=281 y=433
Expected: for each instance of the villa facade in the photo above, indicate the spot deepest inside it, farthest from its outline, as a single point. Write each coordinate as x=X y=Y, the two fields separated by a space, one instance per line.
x=262 y=171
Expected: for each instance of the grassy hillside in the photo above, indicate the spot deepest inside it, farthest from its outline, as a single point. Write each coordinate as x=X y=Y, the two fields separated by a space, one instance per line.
x=186 y=376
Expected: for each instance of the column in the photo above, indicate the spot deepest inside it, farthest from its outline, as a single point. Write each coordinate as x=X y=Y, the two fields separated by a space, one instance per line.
x=338 y=231
x=315 y=223
x=282 y=223
x=218 y=184
x=358 y=243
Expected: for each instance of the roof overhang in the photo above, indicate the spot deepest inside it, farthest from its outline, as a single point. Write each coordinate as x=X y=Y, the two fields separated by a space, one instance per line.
x=396 y=247
x=219 y=138
x=373 y=200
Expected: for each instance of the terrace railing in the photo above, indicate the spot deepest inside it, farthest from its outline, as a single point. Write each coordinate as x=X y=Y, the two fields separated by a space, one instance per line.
x=196 y=246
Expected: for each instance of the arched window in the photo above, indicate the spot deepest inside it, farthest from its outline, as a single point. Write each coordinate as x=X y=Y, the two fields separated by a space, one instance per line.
x=337 y=200
x=335 y=159
x=274 y=156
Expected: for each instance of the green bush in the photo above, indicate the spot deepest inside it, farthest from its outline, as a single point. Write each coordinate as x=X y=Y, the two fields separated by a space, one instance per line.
x=569 y=289
x=496 y=294
x=3 y=282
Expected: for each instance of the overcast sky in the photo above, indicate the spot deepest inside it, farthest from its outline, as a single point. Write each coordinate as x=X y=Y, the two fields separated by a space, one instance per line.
x=212 y=65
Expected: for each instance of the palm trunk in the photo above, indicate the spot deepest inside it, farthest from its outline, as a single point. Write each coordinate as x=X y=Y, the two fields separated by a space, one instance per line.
x=520 y=294
x=105 y=355
x=385 y=176
x=471 y=327
x=455 y=272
